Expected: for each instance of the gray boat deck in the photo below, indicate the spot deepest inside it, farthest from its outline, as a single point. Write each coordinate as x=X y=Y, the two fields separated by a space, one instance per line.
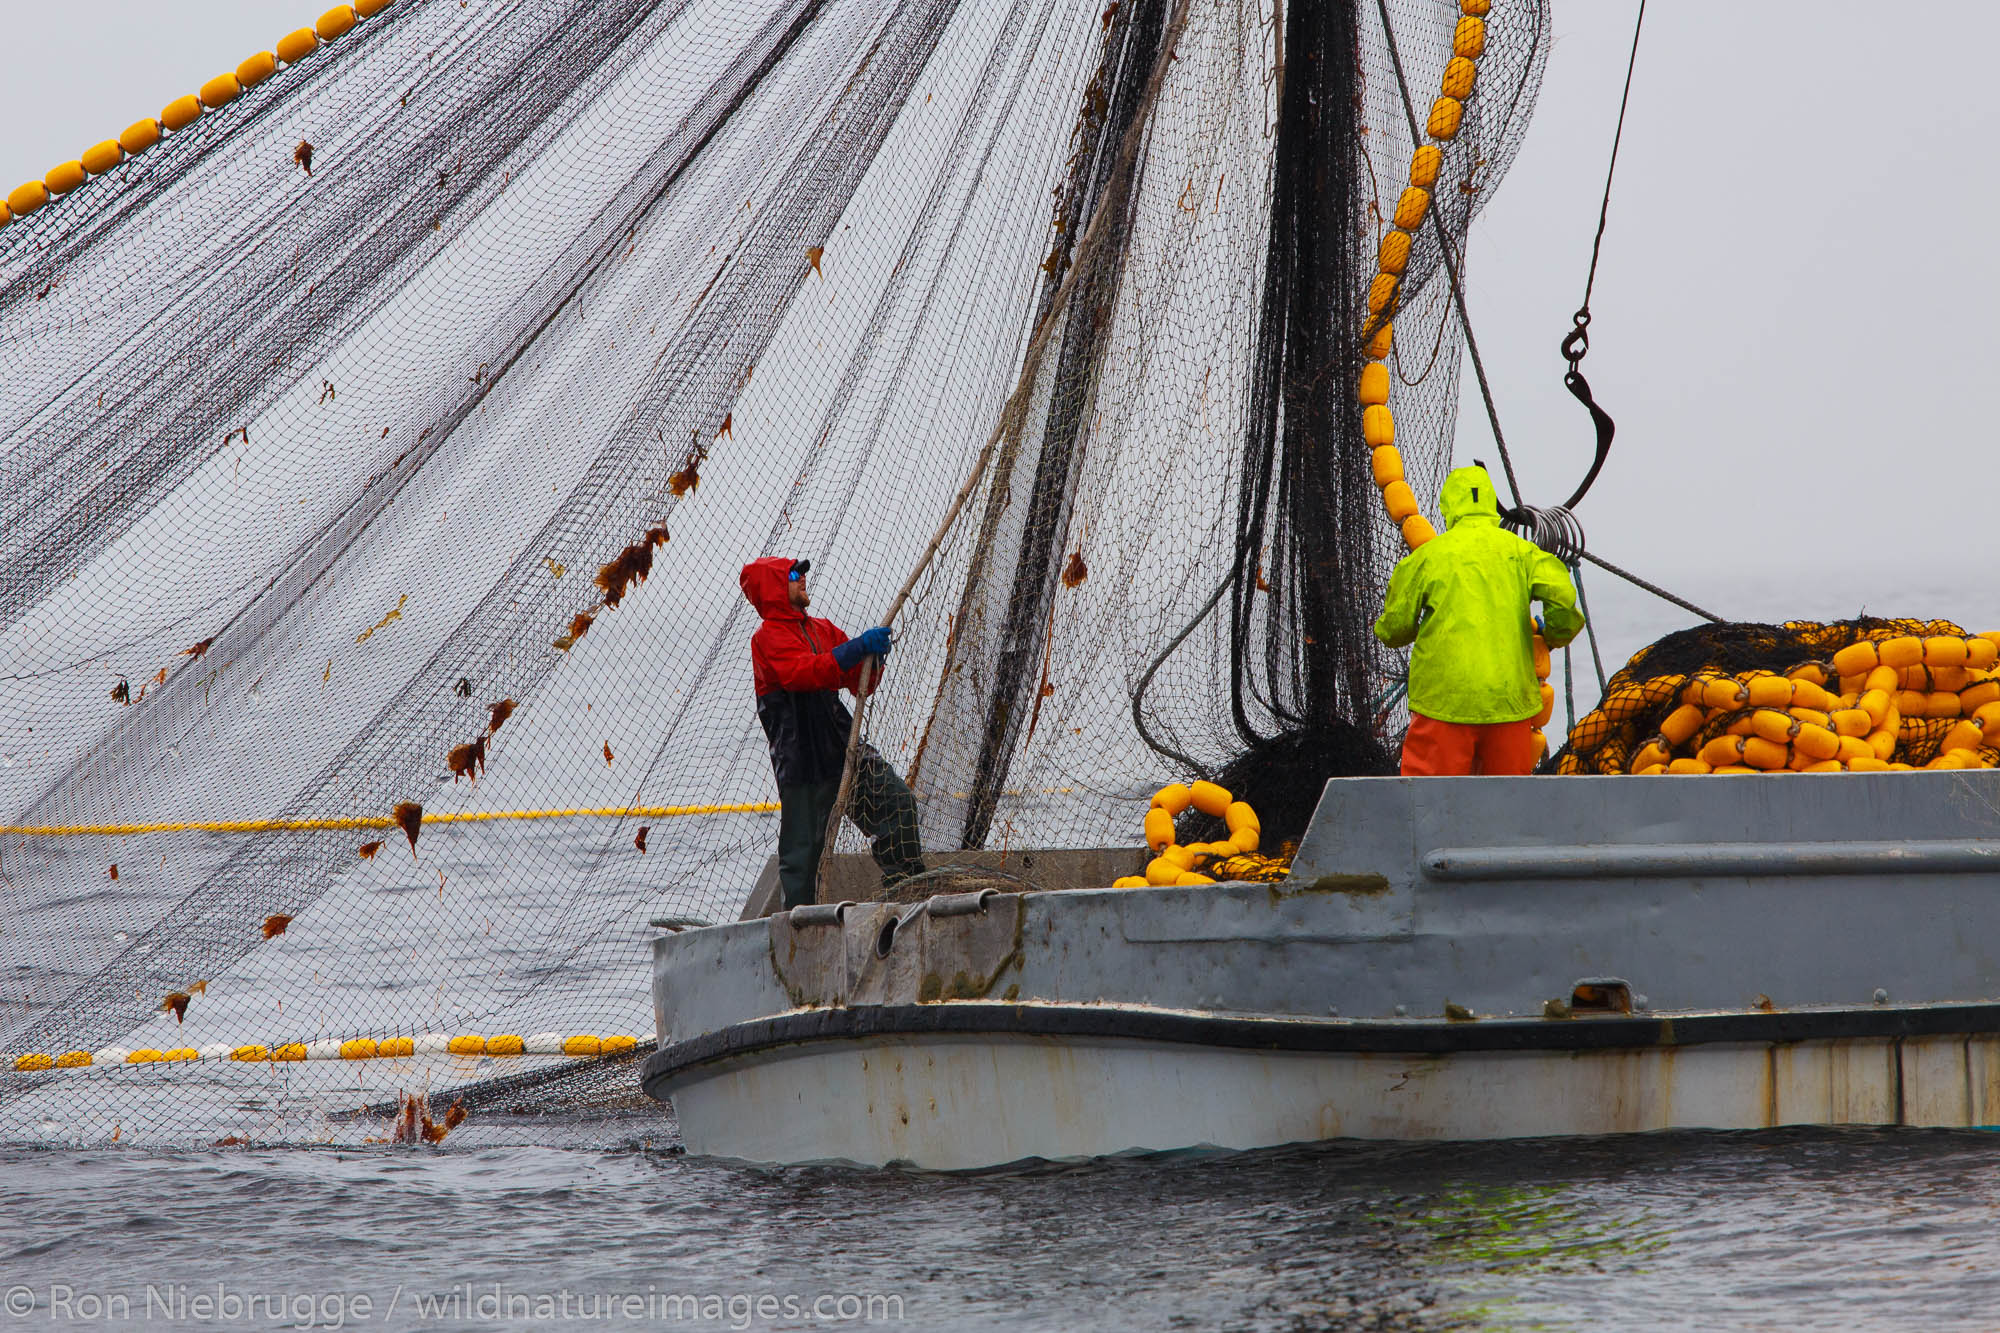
x=1493 y=894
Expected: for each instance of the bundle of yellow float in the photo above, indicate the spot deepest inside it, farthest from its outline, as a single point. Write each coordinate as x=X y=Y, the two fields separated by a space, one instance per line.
x=1887 y=695
x=1174 y=862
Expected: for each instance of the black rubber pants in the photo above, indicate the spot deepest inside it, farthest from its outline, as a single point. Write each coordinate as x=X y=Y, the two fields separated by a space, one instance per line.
x=881 y=807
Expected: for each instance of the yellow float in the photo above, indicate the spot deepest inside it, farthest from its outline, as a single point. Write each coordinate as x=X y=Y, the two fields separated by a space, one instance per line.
x=184 y=111
x=1184 y=863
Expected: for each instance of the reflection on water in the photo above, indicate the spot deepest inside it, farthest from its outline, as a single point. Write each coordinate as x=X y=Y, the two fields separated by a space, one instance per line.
x=1817 y=1230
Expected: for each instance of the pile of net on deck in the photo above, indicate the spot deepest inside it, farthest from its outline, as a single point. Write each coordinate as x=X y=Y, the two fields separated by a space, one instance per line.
x=1864 y=695
x=378 y=449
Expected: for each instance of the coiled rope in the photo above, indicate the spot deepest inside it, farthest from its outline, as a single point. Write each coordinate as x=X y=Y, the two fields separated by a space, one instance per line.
x=1554 y=529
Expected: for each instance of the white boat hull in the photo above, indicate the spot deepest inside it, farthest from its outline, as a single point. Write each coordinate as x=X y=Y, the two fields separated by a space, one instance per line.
x=949 y=1102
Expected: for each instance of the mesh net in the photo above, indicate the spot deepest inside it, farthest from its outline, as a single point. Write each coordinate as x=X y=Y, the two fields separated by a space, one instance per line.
x=380 y=450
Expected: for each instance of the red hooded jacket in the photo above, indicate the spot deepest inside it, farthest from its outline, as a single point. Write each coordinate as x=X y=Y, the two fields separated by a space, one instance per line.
x=797 y=680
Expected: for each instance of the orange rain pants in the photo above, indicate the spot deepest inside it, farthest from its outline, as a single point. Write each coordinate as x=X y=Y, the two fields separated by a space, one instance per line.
x=1435 y=749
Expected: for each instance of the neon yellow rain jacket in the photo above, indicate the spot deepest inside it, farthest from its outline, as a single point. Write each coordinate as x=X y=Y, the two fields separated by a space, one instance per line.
x=1463 y=598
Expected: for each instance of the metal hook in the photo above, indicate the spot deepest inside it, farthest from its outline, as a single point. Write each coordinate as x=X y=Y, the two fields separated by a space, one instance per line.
x=1576 y=345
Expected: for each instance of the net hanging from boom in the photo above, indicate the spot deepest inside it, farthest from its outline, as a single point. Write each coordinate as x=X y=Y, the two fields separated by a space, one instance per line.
x=415 y=470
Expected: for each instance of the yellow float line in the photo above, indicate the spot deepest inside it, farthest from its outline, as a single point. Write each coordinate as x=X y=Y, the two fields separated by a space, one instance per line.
x=375 y=821
x=1378 y=423
x=580 y=1046
x=177 y=115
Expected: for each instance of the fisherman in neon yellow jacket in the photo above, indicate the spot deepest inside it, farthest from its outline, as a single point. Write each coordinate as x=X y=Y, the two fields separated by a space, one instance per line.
x=1463 y=597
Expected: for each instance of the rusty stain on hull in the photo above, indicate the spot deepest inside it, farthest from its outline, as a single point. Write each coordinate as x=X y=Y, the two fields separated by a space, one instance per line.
x=947 y=948
x=1363 y=884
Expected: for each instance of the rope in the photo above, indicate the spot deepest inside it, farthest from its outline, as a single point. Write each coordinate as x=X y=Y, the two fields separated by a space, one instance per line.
x=1653 y=588
x=1604 y=209
x=374 y=821
x=1569 y=688
x=1154 y=744
x=1590 y=631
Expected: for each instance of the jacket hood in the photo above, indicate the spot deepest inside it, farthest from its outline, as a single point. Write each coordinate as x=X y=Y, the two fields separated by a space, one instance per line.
x=767 y=583
x=1468 y=493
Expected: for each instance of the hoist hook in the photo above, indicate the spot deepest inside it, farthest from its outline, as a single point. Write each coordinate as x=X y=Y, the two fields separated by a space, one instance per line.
x=1576 y=346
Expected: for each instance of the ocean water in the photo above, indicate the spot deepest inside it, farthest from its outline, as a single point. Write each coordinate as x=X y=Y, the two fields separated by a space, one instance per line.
x=1796 y=1230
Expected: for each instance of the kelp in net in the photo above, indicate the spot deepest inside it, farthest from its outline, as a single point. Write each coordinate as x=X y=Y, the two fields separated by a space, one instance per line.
x=378 y=452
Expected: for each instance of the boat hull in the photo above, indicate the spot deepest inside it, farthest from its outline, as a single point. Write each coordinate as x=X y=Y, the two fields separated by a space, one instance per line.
x=972 y=1085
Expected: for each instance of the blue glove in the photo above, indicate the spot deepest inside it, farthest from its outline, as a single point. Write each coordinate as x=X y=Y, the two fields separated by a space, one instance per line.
x=1540 y=628
x=871 y=643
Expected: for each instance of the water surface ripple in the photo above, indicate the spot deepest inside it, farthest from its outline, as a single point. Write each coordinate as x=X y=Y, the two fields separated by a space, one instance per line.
x=1797 y=1230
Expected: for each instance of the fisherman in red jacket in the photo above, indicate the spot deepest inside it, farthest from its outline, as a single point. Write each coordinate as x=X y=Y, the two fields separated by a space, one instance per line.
x=800 y=664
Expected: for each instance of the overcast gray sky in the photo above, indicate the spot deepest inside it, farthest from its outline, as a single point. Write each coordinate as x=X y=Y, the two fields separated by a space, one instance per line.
x=1791 y=313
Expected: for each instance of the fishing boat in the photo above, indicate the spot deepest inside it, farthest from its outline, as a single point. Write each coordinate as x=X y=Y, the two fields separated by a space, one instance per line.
x=1454 y=958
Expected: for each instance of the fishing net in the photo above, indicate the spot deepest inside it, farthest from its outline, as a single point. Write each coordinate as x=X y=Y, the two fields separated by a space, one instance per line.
x=378 y=453
x=1862 y=695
